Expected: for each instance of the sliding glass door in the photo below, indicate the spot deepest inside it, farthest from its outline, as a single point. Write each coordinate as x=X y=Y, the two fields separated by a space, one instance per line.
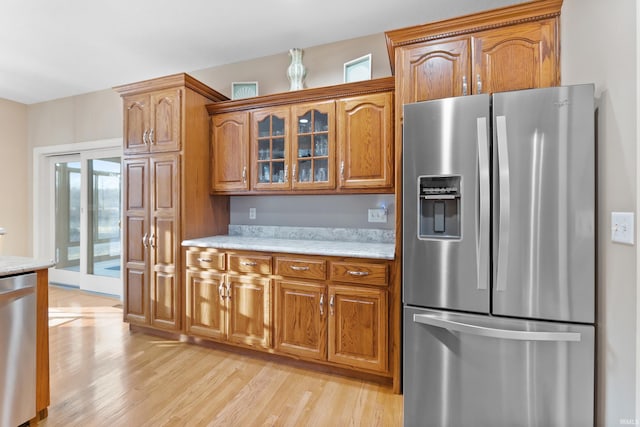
x=86 y=202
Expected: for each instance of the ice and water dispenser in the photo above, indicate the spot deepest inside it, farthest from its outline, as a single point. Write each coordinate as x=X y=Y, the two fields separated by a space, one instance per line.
x=439 y=207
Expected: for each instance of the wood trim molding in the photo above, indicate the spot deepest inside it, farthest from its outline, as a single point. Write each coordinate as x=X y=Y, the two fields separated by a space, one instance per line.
x=174 y=80
x=495 y=18
x=306 y=95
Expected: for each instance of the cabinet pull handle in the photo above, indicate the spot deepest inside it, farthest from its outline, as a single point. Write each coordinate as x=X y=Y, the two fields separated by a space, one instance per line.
x=145 y=240
x=331 y=305
x=228 y=291
x=152 y=240
x=204 y=260
x=145 y=141
x=244 y=175
x=221 y=290
x=300 y=268
x=248 y=263
x=464 y=85
x=286 y=173
x=294 y=178
x=321 y=304
x=358 y=273
x=479 y=83
x=151 y=137
x=342 y=170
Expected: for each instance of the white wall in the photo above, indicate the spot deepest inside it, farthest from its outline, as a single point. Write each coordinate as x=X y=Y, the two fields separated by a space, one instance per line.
x=14 y=189
x=599 y=45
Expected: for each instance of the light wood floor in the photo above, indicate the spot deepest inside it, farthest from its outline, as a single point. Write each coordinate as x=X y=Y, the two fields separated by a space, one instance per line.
x=104 y=375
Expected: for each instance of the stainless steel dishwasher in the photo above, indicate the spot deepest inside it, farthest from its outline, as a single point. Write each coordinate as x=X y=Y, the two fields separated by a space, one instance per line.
x=17 y=349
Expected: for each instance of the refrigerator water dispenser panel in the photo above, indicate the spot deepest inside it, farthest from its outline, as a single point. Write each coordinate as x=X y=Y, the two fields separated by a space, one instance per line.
x=439 y=213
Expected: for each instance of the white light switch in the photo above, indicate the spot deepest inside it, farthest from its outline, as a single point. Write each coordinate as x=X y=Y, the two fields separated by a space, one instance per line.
x=622 y=230
x=252 y=213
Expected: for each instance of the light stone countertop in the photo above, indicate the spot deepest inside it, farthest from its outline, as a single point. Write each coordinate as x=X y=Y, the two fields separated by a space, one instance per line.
x=301 y=240
x=11 y=265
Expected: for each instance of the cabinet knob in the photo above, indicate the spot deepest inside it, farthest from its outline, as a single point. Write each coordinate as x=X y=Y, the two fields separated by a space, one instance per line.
x=294 y=177
x=321 y=304
x=479 y=83
x=228 y=290
x=145 y=240
x=244 y=175
x=152 y=240
x=221 y=290
x=464 y=85
x=248 y=263
x=286 y=173
x=145 y=141
x=151 y=137
x=300 y=268
x=342 y=170
x=331 y=305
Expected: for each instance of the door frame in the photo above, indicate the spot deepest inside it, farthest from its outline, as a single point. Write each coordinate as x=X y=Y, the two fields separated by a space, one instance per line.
x=43 y=197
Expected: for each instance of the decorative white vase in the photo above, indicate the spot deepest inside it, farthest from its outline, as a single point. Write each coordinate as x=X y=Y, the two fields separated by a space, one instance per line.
x=296 y=71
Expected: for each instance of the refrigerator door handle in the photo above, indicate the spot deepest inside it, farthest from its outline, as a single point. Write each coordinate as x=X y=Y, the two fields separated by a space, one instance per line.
x=505 y=200
x=482 y=234
x=507 y=334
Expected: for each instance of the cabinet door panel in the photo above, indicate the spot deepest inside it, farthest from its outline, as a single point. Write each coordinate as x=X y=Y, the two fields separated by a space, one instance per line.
x=365 y=138
x=164 y=300
x=270 y=149
x=136 y=124
x=248 y=305
x=165 y=178
x=163 y=243
x=313 y=146
x=166 y=119
x=358 y=327
x=300 y=310
x=230 y=152
x=516 y=57
x=205 y=304
x=136 y=184
x=136 y=296
x=435 y=70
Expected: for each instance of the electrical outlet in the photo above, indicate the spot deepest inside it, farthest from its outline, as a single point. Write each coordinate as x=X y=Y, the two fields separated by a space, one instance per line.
x=622 y=227
x=377 y=215
x=252 y=213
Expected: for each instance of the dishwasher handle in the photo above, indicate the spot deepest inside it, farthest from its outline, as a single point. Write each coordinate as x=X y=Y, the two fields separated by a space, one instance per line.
x=508 y=334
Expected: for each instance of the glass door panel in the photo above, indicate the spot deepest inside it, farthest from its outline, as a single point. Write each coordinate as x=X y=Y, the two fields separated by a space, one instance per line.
x=67 y=210
x=272 y=150
x=104 y=204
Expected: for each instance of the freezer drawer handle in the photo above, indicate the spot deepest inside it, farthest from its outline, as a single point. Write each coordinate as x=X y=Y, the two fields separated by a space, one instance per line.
x=506 y=334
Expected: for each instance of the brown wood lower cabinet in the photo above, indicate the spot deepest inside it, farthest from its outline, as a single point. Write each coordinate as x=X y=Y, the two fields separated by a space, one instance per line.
x=285 y=304
x=229 y=307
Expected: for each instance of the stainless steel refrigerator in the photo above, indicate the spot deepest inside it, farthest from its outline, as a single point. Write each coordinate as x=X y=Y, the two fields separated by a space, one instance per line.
x=499 y=259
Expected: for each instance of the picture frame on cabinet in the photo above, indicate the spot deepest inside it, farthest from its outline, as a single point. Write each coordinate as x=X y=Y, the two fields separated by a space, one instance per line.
x=241 y=90
x=358 y=69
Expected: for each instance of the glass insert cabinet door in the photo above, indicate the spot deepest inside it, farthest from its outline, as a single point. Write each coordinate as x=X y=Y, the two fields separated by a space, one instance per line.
x=270 y=145
x=313 y=154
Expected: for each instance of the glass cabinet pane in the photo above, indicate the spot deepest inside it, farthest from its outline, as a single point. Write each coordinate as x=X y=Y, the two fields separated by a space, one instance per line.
x=272 y=150
x=264 y=127
x=320 y=167
x=277 y=125
x=312 y=151
x=304 y=123
x=304 y=146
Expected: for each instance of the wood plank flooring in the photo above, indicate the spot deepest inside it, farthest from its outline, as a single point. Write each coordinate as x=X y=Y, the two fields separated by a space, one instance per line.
x=104 y=375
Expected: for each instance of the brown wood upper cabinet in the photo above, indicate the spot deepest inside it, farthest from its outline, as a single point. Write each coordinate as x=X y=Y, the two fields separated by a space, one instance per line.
x=152 y=122
x=516 y=47
x=365 y=140
x=340 y=139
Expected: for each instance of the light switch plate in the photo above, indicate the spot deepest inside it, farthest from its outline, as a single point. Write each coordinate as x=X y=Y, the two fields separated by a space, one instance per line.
x=622 y=230
x=252 y=213
x=377 y=215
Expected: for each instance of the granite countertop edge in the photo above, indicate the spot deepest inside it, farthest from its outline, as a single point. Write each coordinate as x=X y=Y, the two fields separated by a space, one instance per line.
x=13 y=265
x=297 y=246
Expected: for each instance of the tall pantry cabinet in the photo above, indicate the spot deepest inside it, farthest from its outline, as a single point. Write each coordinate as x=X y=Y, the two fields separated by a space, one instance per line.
x=165 y=192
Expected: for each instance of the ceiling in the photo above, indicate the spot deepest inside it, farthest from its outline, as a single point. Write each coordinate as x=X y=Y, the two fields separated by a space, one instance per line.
x=54 y=49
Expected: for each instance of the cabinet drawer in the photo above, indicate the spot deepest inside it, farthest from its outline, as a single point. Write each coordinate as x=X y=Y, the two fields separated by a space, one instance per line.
x=303 y=268
x=359 y=272
x=205 y=259
x=260 y=264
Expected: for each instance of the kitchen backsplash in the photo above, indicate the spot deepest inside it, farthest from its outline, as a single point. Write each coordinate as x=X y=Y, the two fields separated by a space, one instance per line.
x=367 y=235
x=343 y=211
